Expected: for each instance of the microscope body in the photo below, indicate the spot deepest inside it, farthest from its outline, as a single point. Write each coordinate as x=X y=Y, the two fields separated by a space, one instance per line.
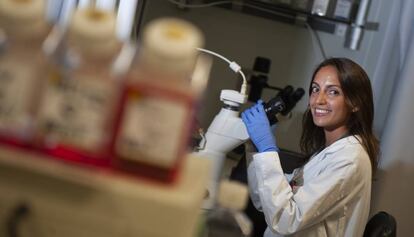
x=226 y=132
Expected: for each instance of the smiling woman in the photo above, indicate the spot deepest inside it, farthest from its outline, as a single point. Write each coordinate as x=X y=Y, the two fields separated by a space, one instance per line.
x=330 y=194
x=327 y=104
x=341 y=103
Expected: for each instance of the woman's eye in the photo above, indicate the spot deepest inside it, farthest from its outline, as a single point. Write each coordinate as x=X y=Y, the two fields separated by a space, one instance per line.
x=334 y=92
x=314 y=89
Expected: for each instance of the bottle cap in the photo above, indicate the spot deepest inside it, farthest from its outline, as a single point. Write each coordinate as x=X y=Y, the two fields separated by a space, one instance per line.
x=232 y=195
x=93 y=30
x=171 y=44
x=22 y=16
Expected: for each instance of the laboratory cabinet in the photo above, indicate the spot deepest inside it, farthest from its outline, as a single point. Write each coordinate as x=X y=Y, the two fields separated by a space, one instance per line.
x=41 y=197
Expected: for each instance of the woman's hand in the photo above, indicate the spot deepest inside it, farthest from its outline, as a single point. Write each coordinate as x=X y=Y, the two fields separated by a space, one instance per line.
x=259 y=128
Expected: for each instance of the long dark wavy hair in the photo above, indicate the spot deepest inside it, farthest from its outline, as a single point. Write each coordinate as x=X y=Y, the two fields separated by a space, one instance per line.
x=357 y=91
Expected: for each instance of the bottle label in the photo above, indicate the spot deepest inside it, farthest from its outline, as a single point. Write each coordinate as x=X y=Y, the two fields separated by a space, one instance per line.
x=301 y=4
x=343 y=9
x=16 y=81
x=155 y=126
x=75 y=111
x=320 y=7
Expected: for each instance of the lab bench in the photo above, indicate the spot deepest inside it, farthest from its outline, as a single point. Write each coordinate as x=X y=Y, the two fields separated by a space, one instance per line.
x=41 y=197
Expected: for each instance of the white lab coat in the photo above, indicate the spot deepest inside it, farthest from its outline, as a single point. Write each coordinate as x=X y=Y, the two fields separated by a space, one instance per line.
x=331 y=196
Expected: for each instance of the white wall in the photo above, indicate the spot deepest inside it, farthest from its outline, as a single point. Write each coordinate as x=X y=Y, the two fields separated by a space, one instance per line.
x=243 y=37
x=392 y=190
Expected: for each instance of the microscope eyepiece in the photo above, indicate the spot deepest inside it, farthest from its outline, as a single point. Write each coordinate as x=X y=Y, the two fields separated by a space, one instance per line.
x=282 y=103
x=274 y=106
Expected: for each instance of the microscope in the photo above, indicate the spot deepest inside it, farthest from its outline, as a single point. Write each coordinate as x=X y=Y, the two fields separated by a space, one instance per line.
x=227 y=131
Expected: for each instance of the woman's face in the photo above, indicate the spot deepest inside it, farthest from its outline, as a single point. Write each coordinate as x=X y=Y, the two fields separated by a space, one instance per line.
x=327 y=101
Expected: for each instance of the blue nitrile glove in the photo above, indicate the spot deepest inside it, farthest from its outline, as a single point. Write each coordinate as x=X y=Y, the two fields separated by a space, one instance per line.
x=259 y=128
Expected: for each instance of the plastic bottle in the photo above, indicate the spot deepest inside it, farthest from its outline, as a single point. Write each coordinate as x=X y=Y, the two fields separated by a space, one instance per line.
x=76 y=117
x=160 y=100
x=228 y=219
x=22 y=66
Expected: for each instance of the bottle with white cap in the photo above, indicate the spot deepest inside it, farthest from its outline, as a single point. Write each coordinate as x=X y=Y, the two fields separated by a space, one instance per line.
x=82 y=94
x=23 y=28
x=160 y=99
x=227 y=219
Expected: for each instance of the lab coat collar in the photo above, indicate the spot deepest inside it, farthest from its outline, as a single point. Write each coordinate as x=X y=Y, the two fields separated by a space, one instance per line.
x=339 y=144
